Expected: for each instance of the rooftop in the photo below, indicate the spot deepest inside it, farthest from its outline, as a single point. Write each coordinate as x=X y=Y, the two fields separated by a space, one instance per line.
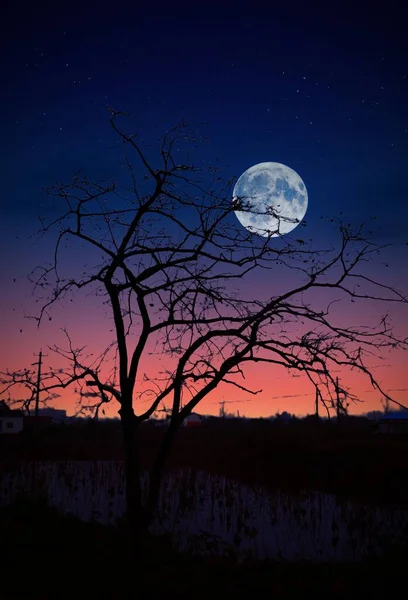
x=400 y=415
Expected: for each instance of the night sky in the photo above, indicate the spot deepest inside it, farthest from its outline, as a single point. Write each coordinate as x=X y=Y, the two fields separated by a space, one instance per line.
x=321 y=87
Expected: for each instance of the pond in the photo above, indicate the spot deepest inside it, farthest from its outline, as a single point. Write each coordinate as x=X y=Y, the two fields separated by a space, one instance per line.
x=208 y=514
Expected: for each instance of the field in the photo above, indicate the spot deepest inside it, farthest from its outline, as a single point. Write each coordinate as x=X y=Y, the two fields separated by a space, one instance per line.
x=61 y=556
x=349 y=461
x=49 y=557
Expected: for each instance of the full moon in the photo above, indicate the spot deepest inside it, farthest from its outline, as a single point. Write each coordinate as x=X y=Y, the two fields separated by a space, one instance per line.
x=270 y=199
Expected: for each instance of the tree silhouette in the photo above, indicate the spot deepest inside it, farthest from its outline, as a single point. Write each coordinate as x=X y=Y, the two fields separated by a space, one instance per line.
x=30 y=386
x=179 y=275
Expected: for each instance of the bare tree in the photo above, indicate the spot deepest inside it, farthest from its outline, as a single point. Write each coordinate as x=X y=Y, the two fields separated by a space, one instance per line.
x=178 y=275
x=34 y=389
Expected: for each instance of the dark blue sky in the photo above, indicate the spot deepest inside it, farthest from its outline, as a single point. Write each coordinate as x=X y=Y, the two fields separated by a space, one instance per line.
x=321 y=87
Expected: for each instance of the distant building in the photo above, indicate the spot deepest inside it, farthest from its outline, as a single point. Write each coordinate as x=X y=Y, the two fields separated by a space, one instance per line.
x=57 y=415
x=162 y=422
x=393 y=423
x=373 y=415
x=193 y=420
x=11 y=421
x=284 y=418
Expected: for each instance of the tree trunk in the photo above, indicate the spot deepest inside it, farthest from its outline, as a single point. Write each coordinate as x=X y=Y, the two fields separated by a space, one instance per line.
x=156 y=475
x=137 y=527
x=138 y=516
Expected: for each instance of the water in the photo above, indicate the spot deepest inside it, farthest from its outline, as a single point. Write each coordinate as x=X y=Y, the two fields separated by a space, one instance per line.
x=210 y=514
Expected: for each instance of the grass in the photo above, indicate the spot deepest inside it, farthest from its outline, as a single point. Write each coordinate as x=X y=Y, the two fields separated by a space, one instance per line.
x=46 y=556
x=350 y=462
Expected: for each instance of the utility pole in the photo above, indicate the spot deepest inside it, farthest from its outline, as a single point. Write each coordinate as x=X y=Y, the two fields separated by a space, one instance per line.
x=341 y=409
x=337 y=400
x=317 y=405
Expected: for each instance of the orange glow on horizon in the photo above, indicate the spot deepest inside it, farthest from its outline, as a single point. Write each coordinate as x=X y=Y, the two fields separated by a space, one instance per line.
x=89 y=324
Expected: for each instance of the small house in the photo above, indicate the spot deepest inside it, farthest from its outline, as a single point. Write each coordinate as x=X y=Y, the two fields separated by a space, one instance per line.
x=11 y=421
x=393 y=423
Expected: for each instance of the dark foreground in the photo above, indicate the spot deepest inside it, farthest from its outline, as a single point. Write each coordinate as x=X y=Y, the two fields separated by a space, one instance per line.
x=46 y=556
x=349 y=461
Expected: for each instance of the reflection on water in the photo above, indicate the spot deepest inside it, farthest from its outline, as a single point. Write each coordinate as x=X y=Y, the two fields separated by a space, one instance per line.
x=210 y=514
